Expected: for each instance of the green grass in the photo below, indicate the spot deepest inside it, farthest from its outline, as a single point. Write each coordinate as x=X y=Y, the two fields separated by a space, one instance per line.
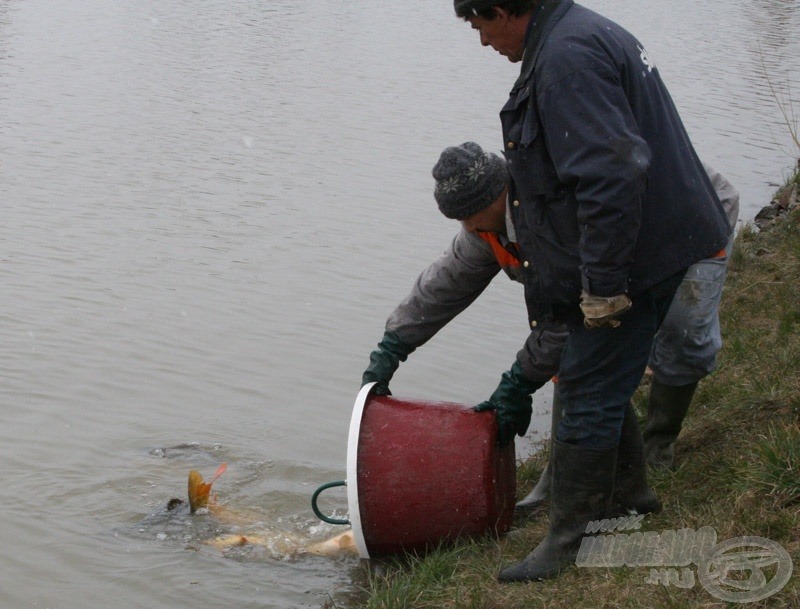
x=777 y=470
x=738 y=466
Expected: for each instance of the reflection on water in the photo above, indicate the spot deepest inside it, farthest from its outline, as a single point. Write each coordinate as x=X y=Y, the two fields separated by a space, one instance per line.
x=210 y=209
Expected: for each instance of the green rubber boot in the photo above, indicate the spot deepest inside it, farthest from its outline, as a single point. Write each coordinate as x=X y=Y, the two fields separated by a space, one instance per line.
x=665 y=413
x=582 y=485
x=541 y=491
x=631 y=491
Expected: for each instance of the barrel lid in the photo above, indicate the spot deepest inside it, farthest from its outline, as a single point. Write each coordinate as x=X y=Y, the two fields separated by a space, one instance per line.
x=352 y=469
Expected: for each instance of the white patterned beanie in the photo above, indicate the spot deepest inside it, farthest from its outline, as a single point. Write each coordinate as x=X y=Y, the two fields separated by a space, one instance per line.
x=468 y=180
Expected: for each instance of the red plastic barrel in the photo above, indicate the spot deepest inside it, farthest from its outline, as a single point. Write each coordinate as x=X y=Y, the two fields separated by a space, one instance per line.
x=421 y=472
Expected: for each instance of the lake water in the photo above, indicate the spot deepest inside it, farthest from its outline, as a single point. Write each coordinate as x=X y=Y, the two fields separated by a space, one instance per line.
x=209 y=210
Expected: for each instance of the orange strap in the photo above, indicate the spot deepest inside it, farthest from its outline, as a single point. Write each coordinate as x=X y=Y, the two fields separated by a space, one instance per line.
x=504 y=257
x=720 y=254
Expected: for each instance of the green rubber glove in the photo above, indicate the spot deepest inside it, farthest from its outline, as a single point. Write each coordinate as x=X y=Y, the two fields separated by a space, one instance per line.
x=511 y=402
x=384 y=361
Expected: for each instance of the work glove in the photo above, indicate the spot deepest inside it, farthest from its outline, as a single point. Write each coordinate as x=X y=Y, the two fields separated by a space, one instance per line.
x=511 y=402
x=602 y=312
x=384 y=361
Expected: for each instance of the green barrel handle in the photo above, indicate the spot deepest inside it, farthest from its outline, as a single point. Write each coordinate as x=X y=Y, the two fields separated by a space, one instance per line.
x=314 y=507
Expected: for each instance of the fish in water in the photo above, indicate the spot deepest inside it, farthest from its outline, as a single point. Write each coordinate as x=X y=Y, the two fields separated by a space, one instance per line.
x=199 y=492
x=289 y=545
x=200 y=498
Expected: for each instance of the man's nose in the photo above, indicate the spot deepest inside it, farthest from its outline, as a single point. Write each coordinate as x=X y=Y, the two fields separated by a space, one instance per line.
x=484 y=41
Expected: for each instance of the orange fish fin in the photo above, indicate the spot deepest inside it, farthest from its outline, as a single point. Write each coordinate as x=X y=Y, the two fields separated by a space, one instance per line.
x=220 y=470
x=199 y=490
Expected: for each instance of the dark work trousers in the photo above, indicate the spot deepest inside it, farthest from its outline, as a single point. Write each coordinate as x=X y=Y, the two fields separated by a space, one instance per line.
x=602 y=367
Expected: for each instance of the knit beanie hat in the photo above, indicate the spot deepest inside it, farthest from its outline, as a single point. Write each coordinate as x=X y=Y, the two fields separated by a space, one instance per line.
x=468 y=8
x=468 y=180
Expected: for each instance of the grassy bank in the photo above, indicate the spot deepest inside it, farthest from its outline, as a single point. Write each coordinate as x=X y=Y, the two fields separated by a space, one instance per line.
x=738 y=457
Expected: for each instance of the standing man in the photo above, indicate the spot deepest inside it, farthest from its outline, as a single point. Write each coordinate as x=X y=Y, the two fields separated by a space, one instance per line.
x=684 y=352
x=611 y=205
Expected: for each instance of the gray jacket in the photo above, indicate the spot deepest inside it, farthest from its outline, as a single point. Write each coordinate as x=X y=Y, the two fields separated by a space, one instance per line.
x=451 y=284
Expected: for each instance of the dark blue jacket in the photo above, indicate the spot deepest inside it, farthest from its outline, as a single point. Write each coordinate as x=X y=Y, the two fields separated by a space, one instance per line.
x=608 y=194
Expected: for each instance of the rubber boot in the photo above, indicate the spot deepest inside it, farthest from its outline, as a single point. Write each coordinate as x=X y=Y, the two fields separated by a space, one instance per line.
x=582 y=485
x=631 y=491
x=541 y=491
x=665 y=413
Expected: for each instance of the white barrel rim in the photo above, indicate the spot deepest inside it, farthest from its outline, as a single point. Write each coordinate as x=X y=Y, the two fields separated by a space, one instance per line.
x=352 y=469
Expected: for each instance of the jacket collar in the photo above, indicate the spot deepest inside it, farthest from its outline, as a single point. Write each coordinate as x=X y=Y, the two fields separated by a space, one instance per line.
x=543 y=19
